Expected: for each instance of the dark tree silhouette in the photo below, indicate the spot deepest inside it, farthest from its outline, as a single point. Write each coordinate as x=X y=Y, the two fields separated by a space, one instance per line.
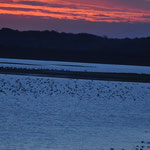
x=51 y=45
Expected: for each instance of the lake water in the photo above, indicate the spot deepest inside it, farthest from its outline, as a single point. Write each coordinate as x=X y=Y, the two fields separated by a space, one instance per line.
x=62 y=114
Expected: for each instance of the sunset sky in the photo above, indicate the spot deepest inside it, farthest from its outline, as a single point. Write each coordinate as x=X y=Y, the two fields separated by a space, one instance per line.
x=114 y=18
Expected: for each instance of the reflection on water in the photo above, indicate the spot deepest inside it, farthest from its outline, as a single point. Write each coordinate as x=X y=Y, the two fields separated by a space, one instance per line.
x=63 y=114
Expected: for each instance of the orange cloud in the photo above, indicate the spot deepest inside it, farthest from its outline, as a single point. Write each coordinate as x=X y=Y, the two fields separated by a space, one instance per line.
x=95 y=11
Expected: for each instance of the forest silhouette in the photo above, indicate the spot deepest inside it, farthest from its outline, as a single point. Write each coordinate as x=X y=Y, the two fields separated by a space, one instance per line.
x=82 y=47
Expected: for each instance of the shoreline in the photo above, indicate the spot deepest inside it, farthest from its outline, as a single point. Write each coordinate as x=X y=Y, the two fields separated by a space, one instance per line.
x=104 y=76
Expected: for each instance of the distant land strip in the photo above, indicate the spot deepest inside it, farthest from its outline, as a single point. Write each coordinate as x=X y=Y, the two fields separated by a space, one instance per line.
x=123 y=77
x=69 y=47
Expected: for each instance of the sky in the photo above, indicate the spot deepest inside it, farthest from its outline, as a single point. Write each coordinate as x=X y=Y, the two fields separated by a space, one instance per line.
x=112 y=18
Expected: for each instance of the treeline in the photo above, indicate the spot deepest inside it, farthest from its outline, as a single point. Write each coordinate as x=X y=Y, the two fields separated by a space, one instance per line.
x=51 y=45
